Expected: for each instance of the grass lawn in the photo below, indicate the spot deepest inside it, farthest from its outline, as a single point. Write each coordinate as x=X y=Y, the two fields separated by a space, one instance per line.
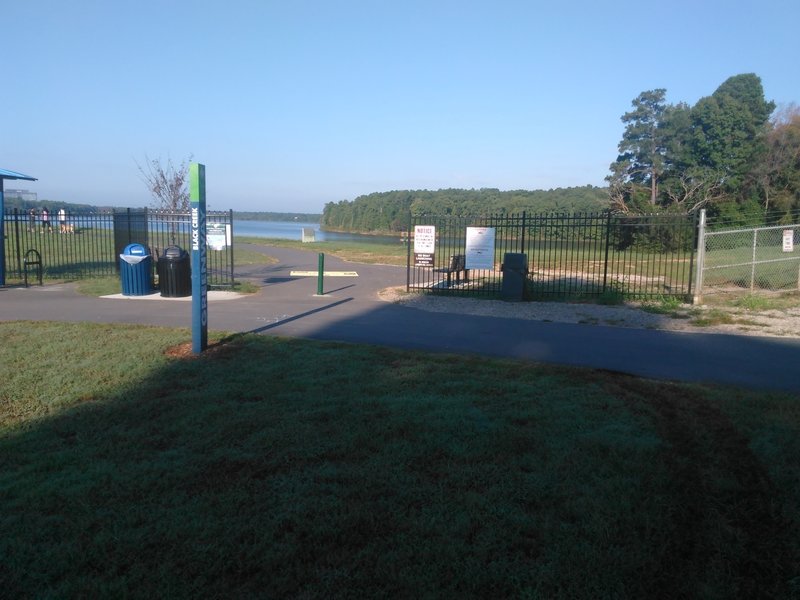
x=286 y=468
x=383 y=253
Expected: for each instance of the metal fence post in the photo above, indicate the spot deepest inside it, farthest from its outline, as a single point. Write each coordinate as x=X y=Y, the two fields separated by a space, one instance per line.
x=16 y=238
x=230 y=248
x=701 y=258
x=408 y=252
x=608 y=243
x=753 y=266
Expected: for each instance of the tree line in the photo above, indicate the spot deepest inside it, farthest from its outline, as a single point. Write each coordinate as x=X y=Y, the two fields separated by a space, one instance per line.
x=52 y=206
x=389 y=211
x=277 y=216
x=731 y=153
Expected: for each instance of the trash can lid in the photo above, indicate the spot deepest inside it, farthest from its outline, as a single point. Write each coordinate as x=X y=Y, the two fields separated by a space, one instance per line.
x=135 y=250
x=514 y=260
x=174 y=252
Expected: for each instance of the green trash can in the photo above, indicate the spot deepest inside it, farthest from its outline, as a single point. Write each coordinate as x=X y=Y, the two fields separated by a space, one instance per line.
x=136 y=270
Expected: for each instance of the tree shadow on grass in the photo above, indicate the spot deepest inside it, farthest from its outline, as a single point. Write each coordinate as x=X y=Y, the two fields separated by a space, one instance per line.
x=285 y=468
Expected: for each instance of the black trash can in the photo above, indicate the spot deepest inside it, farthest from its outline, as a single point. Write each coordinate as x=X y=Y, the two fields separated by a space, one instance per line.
x=136 y=270
x=175 y=273
x=515 y=273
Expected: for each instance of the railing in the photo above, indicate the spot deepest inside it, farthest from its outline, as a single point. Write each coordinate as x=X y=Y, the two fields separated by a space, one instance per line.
x=87 y=245
x=568 y=255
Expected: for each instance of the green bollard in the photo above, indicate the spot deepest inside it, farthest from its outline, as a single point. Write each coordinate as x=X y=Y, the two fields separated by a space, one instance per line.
x=320 y=271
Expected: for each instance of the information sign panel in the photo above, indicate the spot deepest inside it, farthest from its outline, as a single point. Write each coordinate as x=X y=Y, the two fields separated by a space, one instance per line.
x=480 y=248
x=217 y=235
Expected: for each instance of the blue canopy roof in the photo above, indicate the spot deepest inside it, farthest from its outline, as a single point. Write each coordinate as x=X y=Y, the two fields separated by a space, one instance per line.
x=6 y=174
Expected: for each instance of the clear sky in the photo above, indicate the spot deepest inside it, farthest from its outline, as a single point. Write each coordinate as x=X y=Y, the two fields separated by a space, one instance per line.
x=294 y=103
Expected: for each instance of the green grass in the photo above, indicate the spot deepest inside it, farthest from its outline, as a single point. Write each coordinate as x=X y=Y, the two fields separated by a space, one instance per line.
x=777 y=271
x=724 y=311
x=106 y=286
x=384 y=253
x=99 y=286
x=756 y=303
x=714 y=316
x=245 y=257
x=72 y=256
x=738 y=309
x=287 y=468
x=611 y=297
x=668 y=306
x=62 y=255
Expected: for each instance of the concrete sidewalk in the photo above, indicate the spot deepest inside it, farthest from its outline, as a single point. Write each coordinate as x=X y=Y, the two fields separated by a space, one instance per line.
x=351 y=311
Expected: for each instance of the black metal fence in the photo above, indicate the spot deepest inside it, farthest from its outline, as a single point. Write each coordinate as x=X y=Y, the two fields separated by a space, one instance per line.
x=567 y=255
x=82 y=245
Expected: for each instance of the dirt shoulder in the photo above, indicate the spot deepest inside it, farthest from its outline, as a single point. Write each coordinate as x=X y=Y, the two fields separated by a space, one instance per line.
x=703 y=318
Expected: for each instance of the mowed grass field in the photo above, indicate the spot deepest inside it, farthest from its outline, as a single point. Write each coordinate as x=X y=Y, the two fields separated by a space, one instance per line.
x=280 y=468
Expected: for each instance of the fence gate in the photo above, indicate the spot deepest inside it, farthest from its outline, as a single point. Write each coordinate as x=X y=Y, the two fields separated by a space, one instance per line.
x=748 y=260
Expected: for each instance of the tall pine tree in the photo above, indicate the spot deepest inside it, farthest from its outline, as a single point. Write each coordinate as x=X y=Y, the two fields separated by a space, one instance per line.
x=643 y=146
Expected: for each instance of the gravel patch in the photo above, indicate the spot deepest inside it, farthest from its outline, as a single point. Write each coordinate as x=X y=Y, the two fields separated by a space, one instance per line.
x=778 y=323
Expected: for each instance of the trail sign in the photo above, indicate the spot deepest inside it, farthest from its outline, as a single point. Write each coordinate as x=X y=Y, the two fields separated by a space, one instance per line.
x=197 y=205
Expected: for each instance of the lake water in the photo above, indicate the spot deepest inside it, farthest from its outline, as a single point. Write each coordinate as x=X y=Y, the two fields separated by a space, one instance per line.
x=293 y=230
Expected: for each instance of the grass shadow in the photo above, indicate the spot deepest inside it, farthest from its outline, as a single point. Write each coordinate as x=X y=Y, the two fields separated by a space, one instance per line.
x=288 y=468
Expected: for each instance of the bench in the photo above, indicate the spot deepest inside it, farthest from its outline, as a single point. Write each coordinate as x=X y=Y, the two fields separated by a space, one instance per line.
x=457 y=265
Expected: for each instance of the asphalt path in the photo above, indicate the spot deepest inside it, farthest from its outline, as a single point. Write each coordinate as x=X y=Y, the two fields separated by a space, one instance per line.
x=350 y=311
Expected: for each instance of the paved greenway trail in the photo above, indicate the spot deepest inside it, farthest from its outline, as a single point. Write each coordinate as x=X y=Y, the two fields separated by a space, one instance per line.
x=351 y=311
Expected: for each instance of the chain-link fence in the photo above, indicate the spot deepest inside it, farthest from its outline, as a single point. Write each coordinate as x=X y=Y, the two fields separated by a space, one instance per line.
x=748 y=260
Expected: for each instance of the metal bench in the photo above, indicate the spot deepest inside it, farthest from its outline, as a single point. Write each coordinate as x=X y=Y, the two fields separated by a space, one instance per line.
x=458 y=266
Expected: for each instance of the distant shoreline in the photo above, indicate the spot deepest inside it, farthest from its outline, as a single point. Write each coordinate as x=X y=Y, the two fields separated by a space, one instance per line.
x=277 y=217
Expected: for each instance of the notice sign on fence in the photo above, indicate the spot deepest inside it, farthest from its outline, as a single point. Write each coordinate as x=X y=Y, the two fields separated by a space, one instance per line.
x=480 y=248
x=424 y=245
x=788 y=240
x=218 y=235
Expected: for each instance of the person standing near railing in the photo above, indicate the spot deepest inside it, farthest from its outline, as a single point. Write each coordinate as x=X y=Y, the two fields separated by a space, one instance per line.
x=46 y=220
x=32 y=219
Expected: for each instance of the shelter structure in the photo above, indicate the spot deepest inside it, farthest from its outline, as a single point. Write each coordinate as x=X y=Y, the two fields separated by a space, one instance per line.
x=6 y=174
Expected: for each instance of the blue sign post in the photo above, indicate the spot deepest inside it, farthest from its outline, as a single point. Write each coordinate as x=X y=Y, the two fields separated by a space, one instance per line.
x=197 y=199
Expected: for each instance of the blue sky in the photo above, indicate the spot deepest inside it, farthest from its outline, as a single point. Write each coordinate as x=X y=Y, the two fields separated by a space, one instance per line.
x=294 y=103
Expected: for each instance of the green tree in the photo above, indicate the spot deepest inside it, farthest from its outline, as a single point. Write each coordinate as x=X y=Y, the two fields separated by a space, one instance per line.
x=643 y=146
x=687 y=185
x=779 y=171
x=730 y=128
x=676 y=131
